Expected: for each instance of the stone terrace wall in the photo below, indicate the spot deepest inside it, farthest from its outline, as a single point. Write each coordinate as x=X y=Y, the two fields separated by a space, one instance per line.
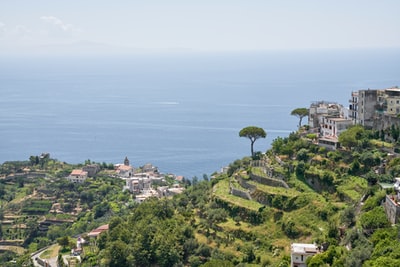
x=240 y=193
x=246 y=185
x=268 y=181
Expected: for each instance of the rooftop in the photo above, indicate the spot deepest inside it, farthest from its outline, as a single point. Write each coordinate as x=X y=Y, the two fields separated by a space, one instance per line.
x=125 y=168
x=78 y=172
x=99 y=230
x=393 y=89
x=304 y=248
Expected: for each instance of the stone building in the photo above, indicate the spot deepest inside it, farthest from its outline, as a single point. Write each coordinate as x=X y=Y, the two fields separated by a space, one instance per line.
x=392 y=204
x=363 y=106
x=320 y=109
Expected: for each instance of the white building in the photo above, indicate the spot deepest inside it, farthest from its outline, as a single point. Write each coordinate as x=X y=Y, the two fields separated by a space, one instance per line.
x=321 y=109
x=77 y=176
x=300 y=253
x=333 y=127
x=125 y=171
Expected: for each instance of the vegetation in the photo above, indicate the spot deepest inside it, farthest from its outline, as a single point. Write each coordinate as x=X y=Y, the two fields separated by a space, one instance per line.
x=253 y=133
x=300 y=113
x=249 y=216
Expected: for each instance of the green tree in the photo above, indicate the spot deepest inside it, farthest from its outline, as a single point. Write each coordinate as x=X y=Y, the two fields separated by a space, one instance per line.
x=352 y=136
x=302 y=154
x=119 y=253
x=63 y=241
x=374 y=219
x=32 y=160
x=395 y=132
x=253 y=133
x=300 y=113
x=218 y=263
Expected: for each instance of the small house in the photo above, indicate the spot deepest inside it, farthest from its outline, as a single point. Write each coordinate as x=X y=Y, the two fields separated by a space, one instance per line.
x=300 y=253
x=77 y=176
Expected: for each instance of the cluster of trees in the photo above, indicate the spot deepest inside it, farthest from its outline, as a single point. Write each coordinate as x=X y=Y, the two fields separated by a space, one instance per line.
x=162 y=232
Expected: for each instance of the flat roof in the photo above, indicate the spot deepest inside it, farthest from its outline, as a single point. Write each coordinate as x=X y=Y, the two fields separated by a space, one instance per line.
x=393 y=89
x=329 y=139
x=338 y=119
x=304 y=248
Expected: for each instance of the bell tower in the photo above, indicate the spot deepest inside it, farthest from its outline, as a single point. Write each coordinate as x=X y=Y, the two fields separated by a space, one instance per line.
x=126 y=161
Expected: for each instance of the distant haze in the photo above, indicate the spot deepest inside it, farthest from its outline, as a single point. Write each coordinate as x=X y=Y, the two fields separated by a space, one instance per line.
x=98 y=26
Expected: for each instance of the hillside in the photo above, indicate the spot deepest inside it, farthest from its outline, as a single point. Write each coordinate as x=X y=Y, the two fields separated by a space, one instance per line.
x=297 y=192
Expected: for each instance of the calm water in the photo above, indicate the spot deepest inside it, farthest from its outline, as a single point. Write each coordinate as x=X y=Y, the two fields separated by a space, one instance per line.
x=180 y=112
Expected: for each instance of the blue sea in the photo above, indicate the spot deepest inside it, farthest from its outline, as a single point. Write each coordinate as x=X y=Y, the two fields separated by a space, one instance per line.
x=181 y=112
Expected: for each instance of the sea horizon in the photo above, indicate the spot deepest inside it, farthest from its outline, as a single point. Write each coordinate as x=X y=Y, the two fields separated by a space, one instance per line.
x=181 y=112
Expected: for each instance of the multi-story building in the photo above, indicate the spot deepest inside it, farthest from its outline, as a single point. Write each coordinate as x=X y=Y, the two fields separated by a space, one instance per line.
x=363 y=107
x=328 y=120
x=373 y=108
x=321 y=109
x=392 y=101
x=353 y=107
x=333 y=127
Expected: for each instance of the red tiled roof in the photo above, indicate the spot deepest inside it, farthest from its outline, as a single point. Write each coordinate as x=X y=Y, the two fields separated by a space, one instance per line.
x=98 y=230
x=124 y=168
x=78 y=172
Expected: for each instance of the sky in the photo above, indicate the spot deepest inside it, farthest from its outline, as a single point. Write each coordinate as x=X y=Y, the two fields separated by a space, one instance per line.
x=196 y=25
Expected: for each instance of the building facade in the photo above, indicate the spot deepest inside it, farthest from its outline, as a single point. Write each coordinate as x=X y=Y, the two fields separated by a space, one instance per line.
x=333 y=127
x=77 y=176
x=376 y=109
x=392 y=101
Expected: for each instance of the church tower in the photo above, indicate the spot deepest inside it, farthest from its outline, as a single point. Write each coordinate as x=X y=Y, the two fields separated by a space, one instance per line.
x=126 y=161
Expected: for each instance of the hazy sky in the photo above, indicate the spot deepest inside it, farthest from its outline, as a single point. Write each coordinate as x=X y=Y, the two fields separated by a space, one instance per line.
x=205 y=25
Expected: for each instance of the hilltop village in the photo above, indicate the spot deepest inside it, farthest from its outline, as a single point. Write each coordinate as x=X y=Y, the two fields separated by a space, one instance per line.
x=326 y=195
x=143 y=182
x=376 y=109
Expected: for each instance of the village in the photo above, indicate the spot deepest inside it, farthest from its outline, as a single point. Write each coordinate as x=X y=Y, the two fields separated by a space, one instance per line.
x=143 y=182
x=375 y=109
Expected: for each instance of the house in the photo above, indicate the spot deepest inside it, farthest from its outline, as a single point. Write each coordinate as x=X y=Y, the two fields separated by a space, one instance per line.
x=321 y=109
x=77 y=176
x=96 y=232
x=329 y=142
x=145 y=195
x=125 y=171
x=165 y=191
x=149 y=168
x=79 y=247
x=300 y=253
x=91 y=169
x=138 y=183
x=392 y=204
x=333 y=126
